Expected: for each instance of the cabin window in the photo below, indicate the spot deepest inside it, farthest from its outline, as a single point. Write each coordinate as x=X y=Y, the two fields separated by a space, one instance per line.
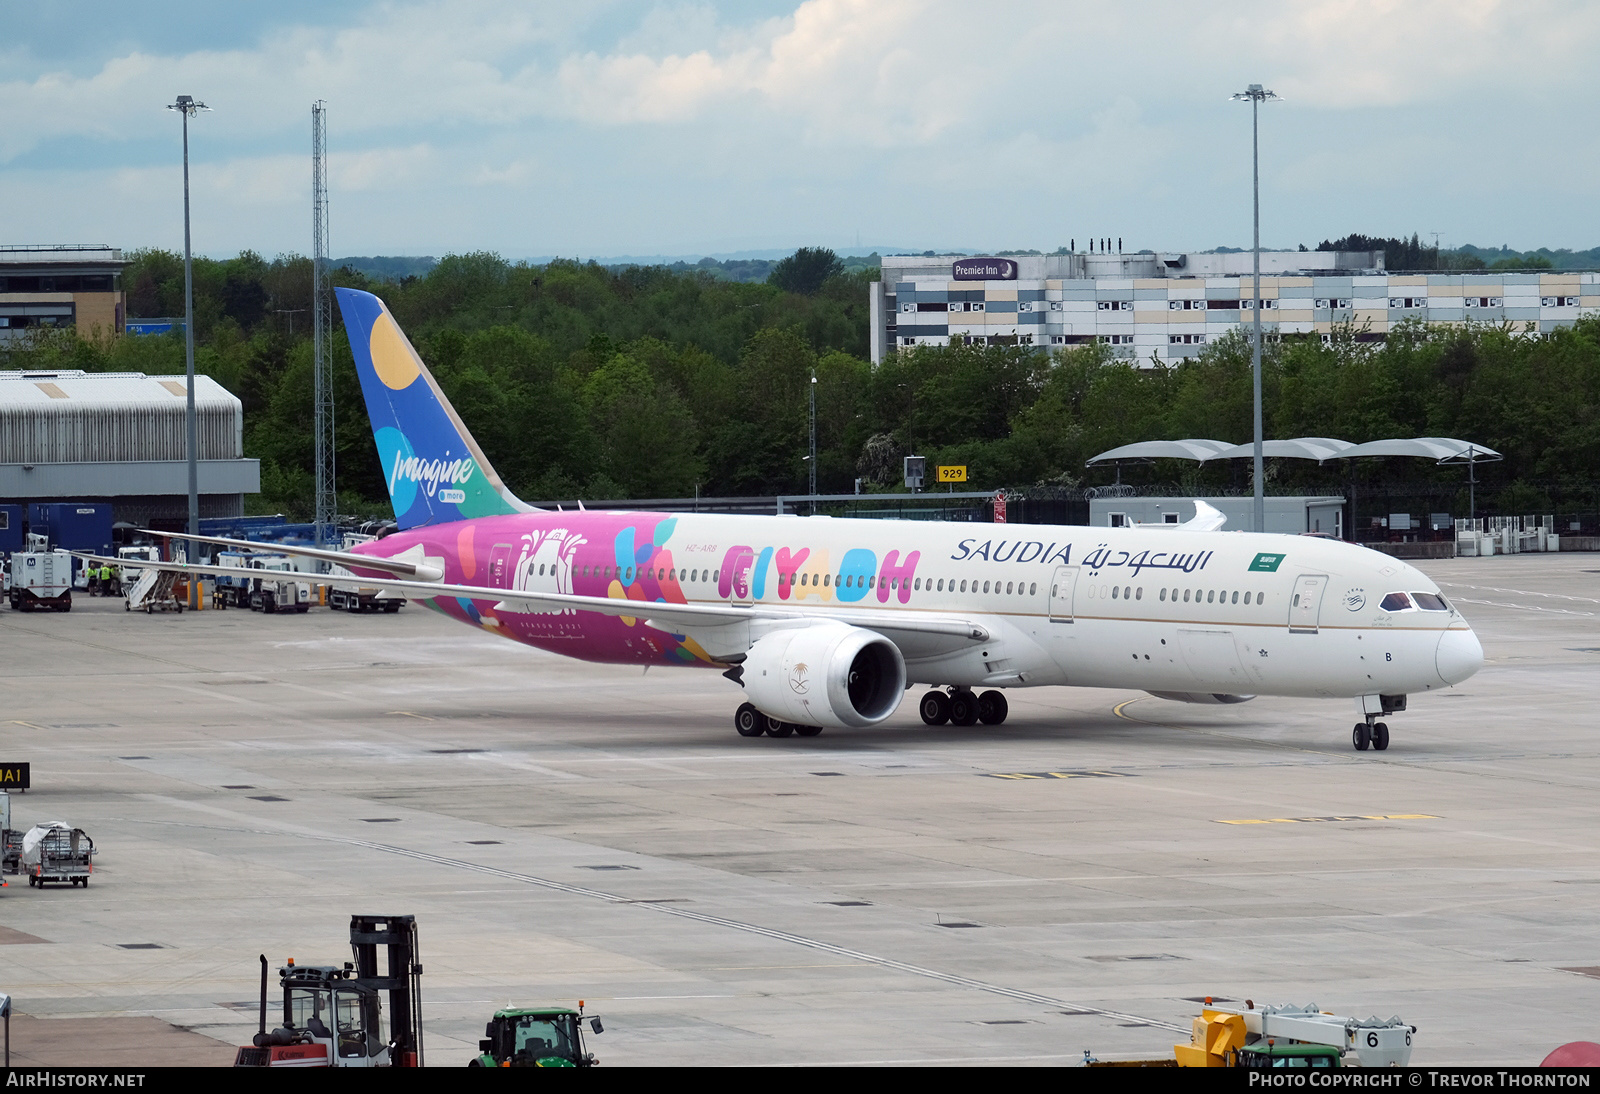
x=1127 y=591
x=1138 y=594
x=827 y=581
x=672 y=574
x=1211 y=596
x=1163 y=594
x=940 y=586
x=1114 y=592
x=1186 y=596
x=1033 y=588
x=872 y=582
x=985 y=586
x=1260 y=597
x=1236 y=597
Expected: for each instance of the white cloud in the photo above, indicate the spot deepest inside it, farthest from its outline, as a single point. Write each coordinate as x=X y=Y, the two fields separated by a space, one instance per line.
x=616 y=129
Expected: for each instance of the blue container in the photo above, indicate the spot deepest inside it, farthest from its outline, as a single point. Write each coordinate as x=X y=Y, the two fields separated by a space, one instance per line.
x=73 y=525
x=11 y=528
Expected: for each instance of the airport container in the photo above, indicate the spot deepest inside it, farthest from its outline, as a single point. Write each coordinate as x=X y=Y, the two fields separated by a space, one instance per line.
x=11 y=517
x=73 y=525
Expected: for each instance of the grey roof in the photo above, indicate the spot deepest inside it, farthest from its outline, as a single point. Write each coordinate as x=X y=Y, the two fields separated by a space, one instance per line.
x=1300 y=448
x=1192 y=448
x=1442 y=449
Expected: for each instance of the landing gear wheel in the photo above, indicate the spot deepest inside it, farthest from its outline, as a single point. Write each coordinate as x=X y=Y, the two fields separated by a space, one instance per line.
x=992 y=708
x=935 y=708
x=1361 y=736
x=749 y=721
x=963 y=709
x=807 y=731
x=1380 y=736
x=776 y=728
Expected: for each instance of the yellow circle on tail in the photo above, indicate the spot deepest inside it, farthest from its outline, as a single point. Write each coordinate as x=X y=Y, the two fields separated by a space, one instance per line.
x=392 y=358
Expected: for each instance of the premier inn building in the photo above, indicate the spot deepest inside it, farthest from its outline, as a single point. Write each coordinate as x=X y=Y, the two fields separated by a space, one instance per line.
x=1159 y=308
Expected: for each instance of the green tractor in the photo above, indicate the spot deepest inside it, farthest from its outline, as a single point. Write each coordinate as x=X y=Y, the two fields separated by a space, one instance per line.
x=536 y=1037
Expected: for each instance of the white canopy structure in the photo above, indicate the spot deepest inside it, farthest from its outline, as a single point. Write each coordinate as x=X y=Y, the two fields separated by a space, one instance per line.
x=1440 y=449
x=1299 y=448
x=1190 y=449
x=1321 y=449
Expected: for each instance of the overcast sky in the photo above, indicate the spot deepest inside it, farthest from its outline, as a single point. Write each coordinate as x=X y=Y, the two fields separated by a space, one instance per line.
x=601 y=129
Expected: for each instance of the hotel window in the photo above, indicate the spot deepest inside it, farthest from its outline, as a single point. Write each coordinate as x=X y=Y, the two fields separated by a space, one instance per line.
x=1116 y=305
x=1055 y=305
x=1186 y=339
x=1185 y=305
x=1558 y=301
x=1250 y=305
x=1408 y=301
x=1223 y=305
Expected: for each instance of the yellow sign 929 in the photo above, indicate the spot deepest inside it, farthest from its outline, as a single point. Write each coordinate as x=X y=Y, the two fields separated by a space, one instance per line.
x=953 y=474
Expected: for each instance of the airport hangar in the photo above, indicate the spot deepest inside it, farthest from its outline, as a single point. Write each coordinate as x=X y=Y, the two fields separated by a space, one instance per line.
x=1162 y=307
x=120 y=437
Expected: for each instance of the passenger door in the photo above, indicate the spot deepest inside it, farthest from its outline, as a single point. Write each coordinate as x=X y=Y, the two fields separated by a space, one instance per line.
x=1062 y=587
x=1306 y=603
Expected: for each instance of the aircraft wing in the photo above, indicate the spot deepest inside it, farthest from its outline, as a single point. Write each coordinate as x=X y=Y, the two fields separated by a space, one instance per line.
x=673 y=618
x=406 y=564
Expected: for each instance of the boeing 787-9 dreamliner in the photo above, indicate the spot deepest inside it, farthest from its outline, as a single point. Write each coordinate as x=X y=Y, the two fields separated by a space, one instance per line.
x=827 y=623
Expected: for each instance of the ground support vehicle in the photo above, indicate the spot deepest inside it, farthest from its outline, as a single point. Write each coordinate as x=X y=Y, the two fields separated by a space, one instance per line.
x=333 y=1016
x=359 y=598
x=536 y=1037
x=128 y=572
x=53 y=853
x=233 y=590
x=41 y=578
x=275 y=593
x=1284 y=1036
x=10 y=840
x=356 y=597
x=156 y=589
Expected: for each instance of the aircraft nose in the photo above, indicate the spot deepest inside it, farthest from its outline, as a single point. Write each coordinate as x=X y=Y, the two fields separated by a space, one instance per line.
x=1459 y=655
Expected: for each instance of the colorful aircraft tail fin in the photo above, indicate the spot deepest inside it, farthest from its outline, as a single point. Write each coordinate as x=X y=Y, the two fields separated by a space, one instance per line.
x=435 y=471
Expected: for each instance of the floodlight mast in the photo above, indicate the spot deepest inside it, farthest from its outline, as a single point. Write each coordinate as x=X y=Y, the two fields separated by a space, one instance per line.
x=1257 y=95
x=188 y=107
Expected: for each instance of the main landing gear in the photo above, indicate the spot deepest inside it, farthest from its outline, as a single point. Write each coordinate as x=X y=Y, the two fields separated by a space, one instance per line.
x=750 y=722
x=1371 y=733
x=962 y=708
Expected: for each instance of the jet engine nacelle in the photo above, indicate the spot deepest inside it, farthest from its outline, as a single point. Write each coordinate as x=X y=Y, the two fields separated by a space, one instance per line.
x=831 y=674
x=1207 y=697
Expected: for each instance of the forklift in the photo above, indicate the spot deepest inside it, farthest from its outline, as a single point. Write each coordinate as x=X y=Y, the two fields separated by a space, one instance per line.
x=536 y=1037
x=333 y=1017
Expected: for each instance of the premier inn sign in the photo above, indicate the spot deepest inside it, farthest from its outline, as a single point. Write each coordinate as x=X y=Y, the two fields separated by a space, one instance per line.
x=984 y=269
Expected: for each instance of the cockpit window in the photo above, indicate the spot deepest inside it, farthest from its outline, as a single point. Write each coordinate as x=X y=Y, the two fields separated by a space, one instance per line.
x=1430 y=602
x=1396 y=602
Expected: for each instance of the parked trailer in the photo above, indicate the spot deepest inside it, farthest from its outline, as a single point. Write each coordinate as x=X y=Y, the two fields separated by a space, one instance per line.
x=54 y=853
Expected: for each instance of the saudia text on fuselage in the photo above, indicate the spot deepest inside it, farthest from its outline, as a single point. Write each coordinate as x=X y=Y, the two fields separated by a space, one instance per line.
x=1102 y=557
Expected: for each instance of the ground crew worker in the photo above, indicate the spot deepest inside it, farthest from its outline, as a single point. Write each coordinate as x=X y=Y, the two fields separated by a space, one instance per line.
x=93 y=576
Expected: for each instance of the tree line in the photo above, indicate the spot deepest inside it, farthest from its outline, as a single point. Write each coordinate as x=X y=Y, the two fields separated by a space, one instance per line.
x=642 y=382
